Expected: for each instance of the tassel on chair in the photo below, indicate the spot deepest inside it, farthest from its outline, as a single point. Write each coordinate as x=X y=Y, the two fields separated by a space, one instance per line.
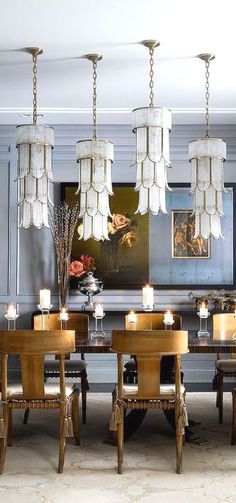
x=183 y=417
x=68 y=427
x=2 y=428
x=116 y=416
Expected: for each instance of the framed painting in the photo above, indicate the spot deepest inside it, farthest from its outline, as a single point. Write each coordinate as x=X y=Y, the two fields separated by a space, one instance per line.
x=123 y=261
x=184 y=246
x=216 y=269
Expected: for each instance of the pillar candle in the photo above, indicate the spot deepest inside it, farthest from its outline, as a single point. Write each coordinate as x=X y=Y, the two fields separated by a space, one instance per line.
x=11 y=311
x=168 y=318
x=63 y=314
x=98 y=311
x=132 y=318
x=203 y=310
x=45 y=298
x=148 y=296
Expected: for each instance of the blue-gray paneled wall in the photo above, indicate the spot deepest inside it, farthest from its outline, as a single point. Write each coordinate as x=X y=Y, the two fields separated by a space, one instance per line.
x=27 y=256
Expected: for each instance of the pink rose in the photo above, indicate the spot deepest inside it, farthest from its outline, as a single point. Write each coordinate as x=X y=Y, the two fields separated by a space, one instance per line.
x=76 y=269
x=119 y=222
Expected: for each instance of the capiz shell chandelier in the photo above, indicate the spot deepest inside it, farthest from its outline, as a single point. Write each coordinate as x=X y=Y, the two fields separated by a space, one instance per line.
x=207 y=156
x=95 y=157
x=35 y=143
x=151 y=126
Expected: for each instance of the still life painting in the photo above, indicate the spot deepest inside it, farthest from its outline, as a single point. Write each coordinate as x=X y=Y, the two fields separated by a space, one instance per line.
x=184 y=245
x=123 y=260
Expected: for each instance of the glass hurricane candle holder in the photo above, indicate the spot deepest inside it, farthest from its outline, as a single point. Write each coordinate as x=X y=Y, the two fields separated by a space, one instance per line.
x=168 y=320
x=44 y=315
x=11 y=316
x=63 y=318
x=203 y=332
x=98 y=325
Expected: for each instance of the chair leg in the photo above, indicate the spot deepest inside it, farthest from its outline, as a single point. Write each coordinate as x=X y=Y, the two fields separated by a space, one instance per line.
x=233 y=438
x=120 y=443
x=3 y=441
x=75 y=418
x=62 y=441
x=220 y=396
x=84 y=387
x=26 y=415
x=179 y=442
x=9 y=434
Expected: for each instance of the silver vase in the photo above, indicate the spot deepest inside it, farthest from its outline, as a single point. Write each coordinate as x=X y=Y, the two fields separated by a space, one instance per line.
x=90 y=286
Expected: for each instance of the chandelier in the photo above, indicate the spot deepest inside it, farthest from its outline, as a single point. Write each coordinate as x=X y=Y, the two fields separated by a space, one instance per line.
x=207 y=156
x=35 y=143
x=95 y=157
x=151 y=126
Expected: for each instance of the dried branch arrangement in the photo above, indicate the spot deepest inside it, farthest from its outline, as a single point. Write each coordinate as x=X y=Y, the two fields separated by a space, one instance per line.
x=62 y=222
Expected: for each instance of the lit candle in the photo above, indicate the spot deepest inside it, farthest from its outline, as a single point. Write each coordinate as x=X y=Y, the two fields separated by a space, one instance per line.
x=132 y=318
x=98 y=311
x=148 y=297
x=63 y=314
x=203 y=311
x=168 y=318
x=11 y=311
x=45 y=299
x=235 y=313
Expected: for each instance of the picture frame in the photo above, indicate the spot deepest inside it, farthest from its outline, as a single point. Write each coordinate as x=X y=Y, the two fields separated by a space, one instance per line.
x=215 y=272
x=123 y=261
x=184 y=246
x=152 y=261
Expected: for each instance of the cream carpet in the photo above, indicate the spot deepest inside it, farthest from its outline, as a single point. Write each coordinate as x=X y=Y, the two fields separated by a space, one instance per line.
x=90 y=470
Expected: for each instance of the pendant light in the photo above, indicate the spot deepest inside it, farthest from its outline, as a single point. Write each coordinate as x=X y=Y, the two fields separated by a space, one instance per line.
x=151 y=126
x=207 y=156
x=35 y=143
x=95 y=157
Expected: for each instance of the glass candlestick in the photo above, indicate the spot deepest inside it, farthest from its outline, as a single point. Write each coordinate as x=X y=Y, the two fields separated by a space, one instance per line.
x=98 y=326
x=168 y=325
x=203 y=332
x=11 y=321
x=44 y=312
x=63 y=318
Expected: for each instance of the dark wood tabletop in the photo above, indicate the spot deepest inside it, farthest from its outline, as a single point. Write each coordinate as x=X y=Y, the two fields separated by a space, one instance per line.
x=87 y=343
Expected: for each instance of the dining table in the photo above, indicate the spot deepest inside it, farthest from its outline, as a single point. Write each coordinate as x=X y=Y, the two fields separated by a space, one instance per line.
x=100 y=342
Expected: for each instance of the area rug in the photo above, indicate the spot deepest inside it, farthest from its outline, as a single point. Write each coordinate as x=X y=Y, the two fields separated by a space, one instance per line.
x=209 y=471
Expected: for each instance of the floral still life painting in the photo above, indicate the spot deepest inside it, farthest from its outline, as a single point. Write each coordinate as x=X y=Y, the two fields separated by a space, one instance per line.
x=184 y=245
x=124 y=259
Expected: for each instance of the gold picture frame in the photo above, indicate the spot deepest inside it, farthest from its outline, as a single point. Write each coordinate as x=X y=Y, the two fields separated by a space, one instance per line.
x=184 y=246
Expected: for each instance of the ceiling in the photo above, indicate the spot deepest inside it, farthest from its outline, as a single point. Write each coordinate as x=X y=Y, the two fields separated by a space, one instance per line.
x=69 y=29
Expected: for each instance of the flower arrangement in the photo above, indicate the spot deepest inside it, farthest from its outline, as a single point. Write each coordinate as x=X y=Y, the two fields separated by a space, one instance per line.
x=84 y=264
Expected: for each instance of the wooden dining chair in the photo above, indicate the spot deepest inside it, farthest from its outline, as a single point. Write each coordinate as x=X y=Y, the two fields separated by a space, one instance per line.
x=146 y=321
x=74 y=369
x=32 y=392
x=224 y=327
x=148 y=348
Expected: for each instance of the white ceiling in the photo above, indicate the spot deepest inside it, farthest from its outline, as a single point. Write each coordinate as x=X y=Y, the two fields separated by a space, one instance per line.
x=69 y=29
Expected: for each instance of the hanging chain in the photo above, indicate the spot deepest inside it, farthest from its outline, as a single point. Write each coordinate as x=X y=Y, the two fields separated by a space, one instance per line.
x=207 y=74
x=34 y=89
x=151 y=73
x=94 y=100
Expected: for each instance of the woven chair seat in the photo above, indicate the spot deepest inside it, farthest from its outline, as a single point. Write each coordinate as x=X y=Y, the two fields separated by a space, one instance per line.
x=15 y=391
x=226 y=365
x=165 y=389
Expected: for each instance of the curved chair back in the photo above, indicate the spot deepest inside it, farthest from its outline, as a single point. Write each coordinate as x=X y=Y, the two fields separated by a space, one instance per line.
x=224 y=326
x=152 y=321
x=149 y=347
x=77 y=321
x=32 y=349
